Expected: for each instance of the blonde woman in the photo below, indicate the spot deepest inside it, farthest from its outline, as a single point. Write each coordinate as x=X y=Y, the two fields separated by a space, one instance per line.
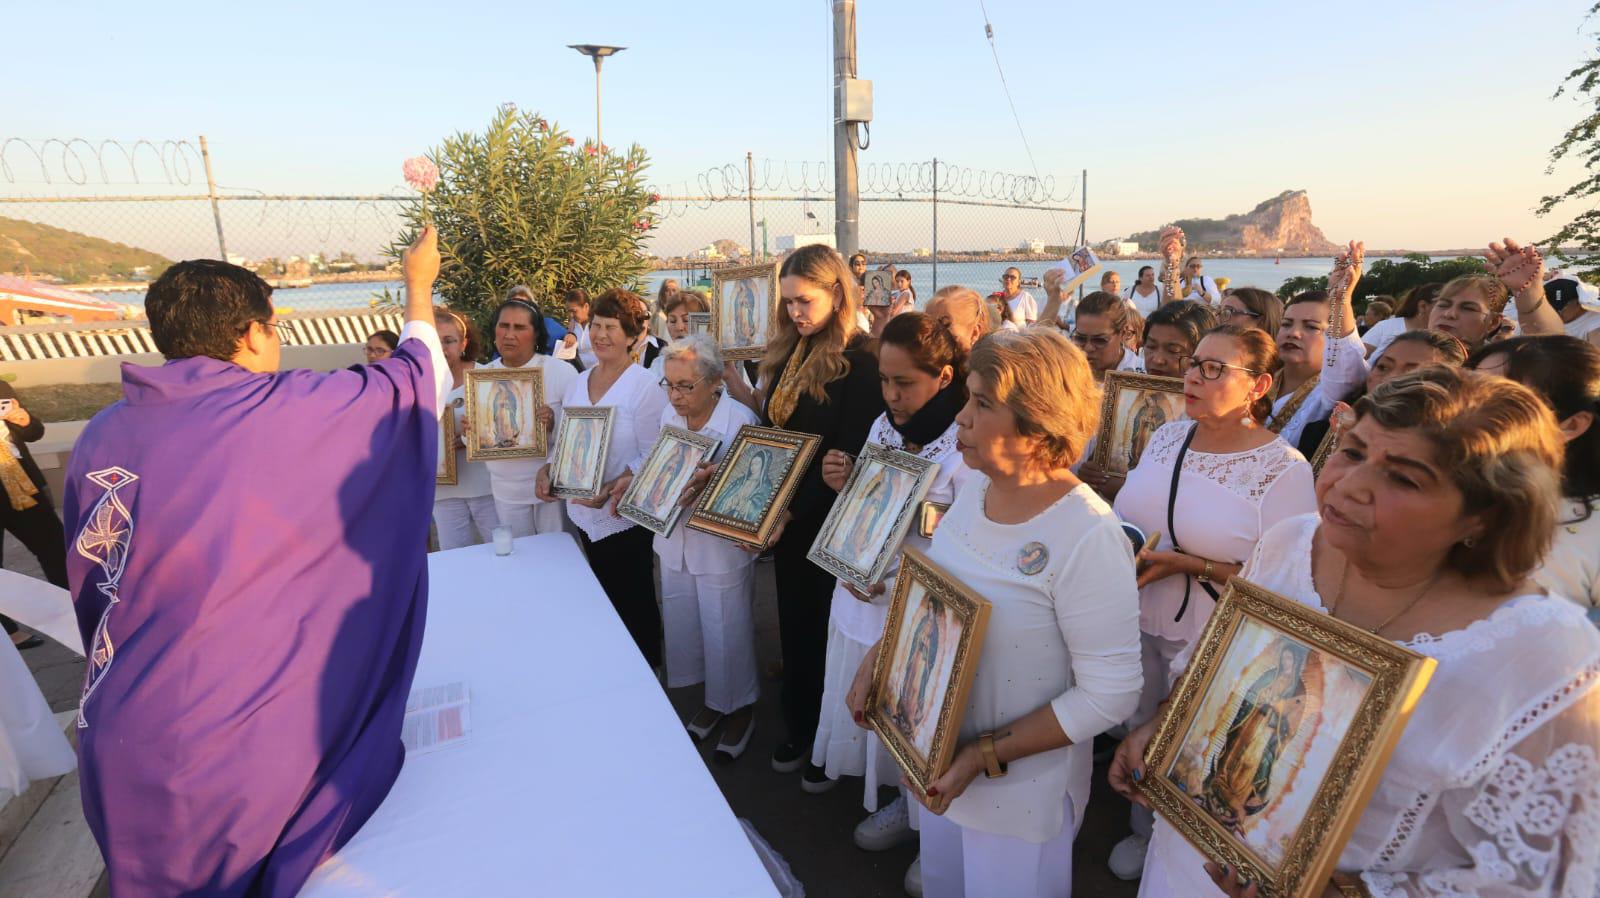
x=464 y=514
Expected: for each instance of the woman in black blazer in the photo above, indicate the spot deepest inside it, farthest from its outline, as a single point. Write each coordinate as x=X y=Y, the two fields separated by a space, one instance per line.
x=25 y=508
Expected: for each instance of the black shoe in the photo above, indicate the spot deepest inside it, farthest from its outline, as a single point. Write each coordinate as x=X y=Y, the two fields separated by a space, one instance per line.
x=32 y=642
x=789 y=757
x=816 y=780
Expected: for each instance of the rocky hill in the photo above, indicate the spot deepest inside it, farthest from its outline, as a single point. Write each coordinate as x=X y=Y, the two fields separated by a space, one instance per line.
x=1281 y=223
x=27 y=247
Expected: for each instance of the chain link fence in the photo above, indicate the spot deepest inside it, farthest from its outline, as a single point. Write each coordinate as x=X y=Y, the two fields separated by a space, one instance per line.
x=101 y=217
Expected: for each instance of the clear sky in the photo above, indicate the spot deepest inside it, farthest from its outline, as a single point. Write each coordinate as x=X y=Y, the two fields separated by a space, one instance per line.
x=1416 y=124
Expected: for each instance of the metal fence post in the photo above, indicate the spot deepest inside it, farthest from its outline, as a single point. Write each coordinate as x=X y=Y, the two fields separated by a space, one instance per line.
x=936 y=224
x=750 y=197
x=211 y=191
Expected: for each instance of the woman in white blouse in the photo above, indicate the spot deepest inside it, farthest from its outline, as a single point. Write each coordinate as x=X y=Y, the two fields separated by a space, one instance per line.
x=707 y=583
x=1234 y=480
x=517 y=328
x=1433 y=514
x=1060 y=661
x=618 y=549
x=1565 y=372
x=923 y=371
x=463 y=514
x=675 y=310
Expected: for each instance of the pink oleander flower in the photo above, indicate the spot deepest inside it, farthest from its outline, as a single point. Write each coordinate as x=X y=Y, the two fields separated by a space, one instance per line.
x=590 y=149
x=571 y=141
x=655 y=197
x=421 y=173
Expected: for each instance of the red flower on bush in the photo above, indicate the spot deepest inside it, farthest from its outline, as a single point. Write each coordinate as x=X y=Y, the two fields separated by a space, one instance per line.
x=655 y=197
x=570 y=141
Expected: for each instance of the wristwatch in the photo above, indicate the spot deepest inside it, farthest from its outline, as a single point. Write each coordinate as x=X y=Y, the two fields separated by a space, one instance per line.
x=992 y=768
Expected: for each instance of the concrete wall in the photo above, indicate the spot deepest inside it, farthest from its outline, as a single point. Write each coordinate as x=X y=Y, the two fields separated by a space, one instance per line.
x=108 y=369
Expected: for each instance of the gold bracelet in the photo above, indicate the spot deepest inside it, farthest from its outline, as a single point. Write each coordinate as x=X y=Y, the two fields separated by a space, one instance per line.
x=1205 y=572
x=992 y=768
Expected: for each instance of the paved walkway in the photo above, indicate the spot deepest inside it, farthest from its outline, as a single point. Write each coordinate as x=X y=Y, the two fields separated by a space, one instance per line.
x=812 y=832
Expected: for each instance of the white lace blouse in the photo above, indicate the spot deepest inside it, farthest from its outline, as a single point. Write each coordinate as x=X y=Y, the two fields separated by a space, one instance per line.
x=1494 y=787
x=1226 y=500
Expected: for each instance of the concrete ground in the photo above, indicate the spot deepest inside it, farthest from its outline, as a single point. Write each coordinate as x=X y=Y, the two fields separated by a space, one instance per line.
x=812 y=832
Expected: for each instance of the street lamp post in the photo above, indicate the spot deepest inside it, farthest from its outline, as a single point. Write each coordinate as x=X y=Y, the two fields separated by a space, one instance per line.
x=597 y=52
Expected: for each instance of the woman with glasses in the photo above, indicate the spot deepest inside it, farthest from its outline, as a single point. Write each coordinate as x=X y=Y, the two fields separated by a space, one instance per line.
x=1102 y=328
x=1017 y=307
x=1196 y=286
x=707 y=583
x=1211 y=485
x=379 y=346
x=1471 y=308
x=1412 y=315
x=1251 y=307
x=463 y=513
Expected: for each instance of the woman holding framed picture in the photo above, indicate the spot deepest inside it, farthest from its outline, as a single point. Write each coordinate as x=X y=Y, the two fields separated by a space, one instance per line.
x=1433 y=515
x=1060 y=657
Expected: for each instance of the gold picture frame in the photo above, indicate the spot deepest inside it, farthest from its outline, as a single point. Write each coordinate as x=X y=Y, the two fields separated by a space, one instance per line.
x=1330 y=442
x=929 y=516
x=652 y=499
x=863 y=531
x=1276 y=735
x=583 y=440
x=445 y=473
x=518 y=394
x=919 y=727
x=754 y=484
x=699 y=323
x=743 y=303
x=1133 y=408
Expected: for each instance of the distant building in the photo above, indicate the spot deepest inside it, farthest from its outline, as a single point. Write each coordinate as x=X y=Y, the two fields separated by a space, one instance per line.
x=922 y=252
x=1119 y=248
x=788 y=243
x=236 y=259
x=709 y=251
x=1035 y=246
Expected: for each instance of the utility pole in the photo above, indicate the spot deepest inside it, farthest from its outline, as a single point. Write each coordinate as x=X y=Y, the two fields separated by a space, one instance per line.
x=211 y=191
x=750 y=197
x=846 y=202
x=597 y=52
x=936 y=224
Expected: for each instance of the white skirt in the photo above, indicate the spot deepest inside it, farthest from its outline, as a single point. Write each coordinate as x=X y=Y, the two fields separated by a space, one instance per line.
x=32 y=746
x=841 y=747
x=1175 y=869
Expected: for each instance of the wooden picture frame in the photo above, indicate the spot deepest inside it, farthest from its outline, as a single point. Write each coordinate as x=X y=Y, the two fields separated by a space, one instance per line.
x=754 y=484
x=743 y=303
x=445 y=473
x=1330 y=442
x=516 y=395
x=578 y=463
x=1333 y=698
x=919 y=727
x=872 y=514
x=699 y=323
x=651 y=500
x=878 y=290
x=1134 y=407
x=929 y=516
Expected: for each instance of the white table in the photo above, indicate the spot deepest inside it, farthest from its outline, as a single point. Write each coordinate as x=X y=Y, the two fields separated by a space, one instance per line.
x=577 y=777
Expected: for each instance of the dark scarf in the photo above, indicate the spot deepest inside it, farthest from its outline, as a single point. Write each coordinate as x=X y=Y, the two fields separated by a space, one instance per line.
x=933 y=419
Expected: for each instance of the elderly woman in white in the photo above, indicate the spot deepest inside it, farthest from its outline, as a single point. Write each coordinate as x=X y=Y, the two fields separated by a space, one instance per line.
x=1060 y=661
x=1432 y=516
x=707 y=583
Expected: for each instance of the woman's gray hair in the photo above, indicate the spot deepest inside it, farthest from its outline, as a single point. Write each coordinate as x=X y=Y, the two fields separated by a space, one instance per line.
x=698 y=347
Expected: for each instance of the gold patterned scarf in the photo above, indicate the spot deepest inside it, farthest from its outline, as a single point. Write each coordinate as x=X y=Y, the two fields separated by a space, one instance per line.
x=785 y=393
x=19 y=487
x=1279 y=419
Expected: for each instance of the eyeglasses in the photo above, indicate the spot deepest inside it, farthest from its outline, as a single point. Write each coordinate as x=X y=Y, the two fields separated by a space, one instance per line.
x=1092 y=341
x=1008 y=277
x=1211 y=369
x=672 y=388
x=1227 y=312
x=282 y=327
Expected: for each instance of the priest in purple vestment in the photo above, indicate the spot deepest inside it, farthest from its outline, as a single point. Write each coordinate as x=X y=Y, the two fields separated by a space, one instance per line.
x=248 y=561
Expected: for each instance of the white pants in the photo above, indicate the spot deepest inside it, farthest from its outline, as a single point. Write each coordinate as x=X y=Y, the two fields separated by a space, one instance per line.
x=710 y=634
x=529 y=520
x=1156 y=655
x=464 y=522
x=966 y=863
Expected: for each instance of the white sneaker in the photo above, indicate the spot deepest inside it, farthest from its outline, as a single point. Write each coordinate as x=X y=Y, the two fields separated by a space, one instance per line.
x=889 y=826
x=1127 y=858
x=913 y=883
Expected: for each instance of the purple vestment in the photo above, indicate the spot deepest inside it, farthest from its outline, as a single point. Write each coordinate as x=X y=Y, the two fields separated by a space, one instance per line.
x=248 y=560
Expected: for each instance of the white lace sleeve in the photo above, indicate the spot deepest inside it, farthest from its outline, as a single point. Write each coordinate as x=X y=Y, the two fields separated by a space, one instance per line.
x=1530 y=823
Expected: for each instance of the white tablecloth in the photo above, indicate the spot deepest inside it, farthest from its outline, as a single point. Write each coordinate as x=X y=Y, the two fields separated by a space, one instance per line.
x=577 y=777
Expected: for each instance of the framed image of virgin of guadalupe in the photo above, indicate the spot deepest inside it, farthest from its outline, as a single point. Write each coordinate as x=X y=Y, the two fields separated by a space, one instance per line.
x=927 y=660
x=878 y=504
x=742 y=303
x=1134 y=407
x=503 y=413
x=1276 y=735
x=651 y=500
x=753 y=485
x=578 y=468
x=445 y=473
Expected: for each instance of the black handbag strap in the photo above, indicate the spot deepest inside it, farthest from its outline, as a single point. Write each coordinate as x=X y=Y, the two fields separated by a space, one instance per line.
x=1172 y=531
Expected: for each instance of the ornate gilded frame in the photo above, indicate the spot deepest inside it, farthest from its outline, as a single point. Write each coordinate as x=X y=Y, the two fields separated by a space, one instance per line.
x=874 y=454
x=1330 y=442
x=721 y=277
x=531 y=379
x=1399 y=677
x=607 y=416
x=445 y=473
x=630 y=508
x=1116 y=382
x=700 y=323
x=797 y=449
x=973 y=612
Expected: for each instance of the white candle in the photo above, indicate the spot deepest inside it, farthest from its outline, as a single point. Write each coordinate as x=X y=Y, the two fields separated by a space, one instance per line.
x=502 y=540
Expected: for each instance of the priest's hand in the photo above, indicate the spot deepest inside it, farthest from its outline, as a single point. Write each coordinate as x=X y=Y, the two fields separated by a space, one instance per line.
x=964 y=768
x=1127 y=765
x=836 y=467
x=861 y=687
x=541 y=485
x=420 y=260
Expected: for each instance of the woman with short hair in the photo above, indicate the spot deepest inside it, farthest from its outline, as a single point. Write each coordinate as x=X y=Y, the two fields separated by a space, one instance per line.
x=380 y=345
x=1472 y=307
x=1410 y=315
x=1060 y=659
x=963 y=311
x=675 y=311
x=1101 y=331
x=1251 y=307
x=1433 y=515
x=463 y=513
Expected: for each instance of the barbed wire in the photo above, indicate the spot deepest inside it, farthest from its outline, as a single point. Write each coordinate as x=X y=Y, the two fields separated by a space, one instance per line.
x=80 y=162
